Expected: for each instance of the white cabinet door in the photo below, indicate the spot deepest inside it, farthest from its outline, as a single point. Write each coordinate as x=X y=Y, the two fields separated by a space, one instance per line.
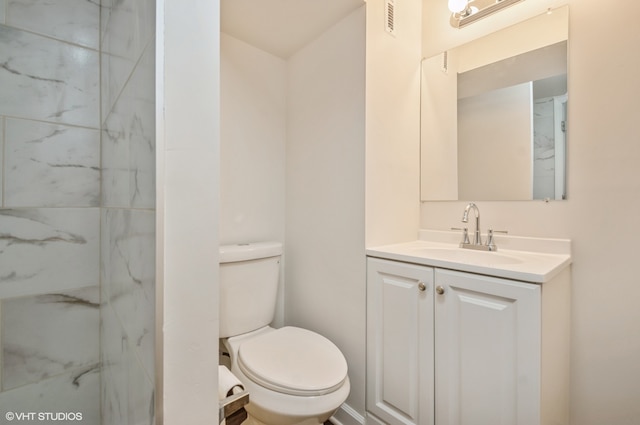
x=400 y=342
x=487 y=350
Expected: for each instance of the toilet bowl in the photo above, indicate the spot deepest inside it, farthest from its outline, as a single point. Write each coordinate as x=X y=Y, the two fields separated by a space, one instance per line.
x=294 y=376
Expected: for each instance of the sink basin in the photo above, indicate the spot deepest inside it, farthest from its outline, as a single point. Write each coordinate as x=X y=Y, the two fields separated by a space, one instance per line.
x=468 y=256
x=526 y=259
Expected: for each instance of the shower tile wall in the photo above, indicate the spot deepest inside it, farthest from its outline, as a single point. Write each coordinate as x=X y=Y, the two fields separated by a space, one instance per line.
x=77 y=208
x=75 y=21
x=128 y=211
x=543 y=149
x=1 y=151
x=49 y=207
x=51 y=165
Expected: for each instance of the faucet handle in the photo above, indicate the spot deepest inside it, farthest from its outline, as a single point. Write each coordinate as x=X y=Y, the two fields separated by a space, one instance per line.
x=465 y=234
x=490 y=242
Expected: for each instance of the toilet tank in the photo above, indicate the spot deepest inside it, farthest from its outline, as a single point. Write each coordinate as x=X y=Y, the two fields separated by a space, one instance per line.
x=249 y=275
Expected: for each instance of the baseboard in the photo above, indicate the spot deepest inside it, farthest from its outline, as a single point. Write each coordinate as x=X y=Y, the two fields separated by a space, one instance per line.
x=346 y=415
x=372 y=420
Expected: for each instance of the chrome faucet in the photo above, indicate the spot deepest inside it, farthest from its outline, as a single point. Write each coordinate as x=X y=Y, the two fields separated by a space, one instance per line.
x=477 y=237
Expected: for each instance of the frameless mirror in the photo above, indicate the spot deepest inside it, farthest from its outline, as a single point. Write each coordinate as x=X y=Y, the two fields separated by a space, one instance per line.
x=493 y=115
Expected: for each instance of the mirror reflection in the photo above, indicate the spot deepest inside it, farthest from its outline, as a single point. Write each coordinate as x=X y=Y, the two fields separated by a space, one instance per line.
x=494 y=115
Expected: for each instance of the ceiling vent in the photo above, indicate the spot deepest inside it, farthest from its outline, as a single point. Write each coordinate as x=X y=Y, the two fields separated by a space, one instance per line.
x=389 y=17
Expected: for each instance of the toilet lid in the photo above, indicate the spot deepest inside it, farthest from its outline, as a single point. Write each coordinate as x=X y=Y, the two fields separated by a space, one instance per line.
x=293 y=361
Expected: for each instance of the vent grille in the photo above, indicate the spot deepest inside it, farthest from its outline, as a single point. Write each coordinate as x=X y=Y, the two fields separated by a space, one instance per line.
x=389 y=19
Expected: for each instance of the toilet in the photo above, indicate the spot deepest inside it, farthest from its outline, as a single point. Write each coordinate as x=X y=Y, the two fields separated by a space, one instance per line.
x=294 y=376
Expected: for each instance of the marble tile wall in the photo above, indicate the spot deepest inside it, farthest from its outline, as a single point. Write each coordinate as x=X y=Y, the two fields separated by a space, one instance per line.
x=50 y=207
x=46 y=79
x=128 y=251
x=543 y=149
x=77 y=208
x=30 y=353
x=128 y=211
x=128 y=140
x=74 y=21
x=50 y=355
x=127 y=26
x=1 y=150
x=48 y=249
x=127 y=390
x=77 y=392
x=51 y=165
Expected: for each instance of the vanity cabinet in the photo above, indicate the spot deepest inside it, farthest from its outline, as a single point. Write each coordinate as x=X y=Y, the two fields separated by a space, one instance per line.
x=455 y=348
x=400 y=342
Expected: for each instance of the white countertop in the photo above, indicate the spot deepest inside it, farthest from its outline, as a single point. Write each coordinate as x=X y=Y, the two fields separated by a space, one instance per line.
x=535 y=260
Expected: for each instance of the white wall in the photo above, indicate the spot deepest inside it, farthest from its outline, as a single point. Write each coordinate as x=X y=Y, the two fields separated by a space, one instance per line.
x=253 y=131
x=188 y=126
x=438 y=128
x=599 y=216
x=325 y=262
x=252 y=147
x=392 y=123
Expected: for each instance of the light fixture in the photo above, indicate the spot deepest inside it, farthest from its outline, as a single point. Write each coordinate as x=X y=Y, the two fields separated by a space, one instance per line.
x=465 y=12
x=457 y=6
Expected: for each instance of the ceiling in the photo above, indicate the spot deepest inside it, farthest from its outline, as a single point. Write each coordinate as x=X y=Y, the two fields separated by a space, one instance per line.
x=282 y=27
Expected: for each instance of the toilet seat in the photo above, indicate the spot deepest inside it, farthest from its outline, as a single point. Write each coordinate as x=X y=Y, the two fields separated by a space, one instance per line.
x=293 y=361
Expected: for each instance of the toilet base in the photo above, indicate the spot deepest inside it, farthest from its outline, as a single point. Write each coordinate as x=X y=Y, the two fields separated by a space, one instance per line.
x=258 y=415
x=309 y=421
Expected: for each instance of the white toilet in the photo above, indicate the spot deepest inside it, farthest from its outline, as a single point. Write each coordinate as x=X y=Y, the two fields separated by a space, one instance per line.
x=294 y=376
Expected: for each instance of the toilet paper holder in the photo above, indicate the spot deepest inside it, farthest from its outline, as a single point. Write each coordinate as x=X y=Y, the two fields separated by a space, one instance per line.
x=232 y=408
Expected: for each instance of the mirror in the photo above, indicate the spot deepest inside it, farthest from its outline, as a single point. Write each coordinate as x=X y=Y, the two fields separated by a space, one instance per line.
x=493 y=115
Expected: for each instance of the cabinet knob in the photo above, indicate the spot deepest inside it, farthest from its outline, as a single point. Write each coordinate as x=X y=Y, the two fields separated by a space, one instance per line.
x=422 y=287
x=439 y=289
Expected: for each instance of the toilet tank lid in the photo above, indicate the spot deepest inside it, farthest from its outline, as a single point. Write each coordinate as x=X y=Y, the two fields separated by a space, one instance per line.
x=249 y=251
